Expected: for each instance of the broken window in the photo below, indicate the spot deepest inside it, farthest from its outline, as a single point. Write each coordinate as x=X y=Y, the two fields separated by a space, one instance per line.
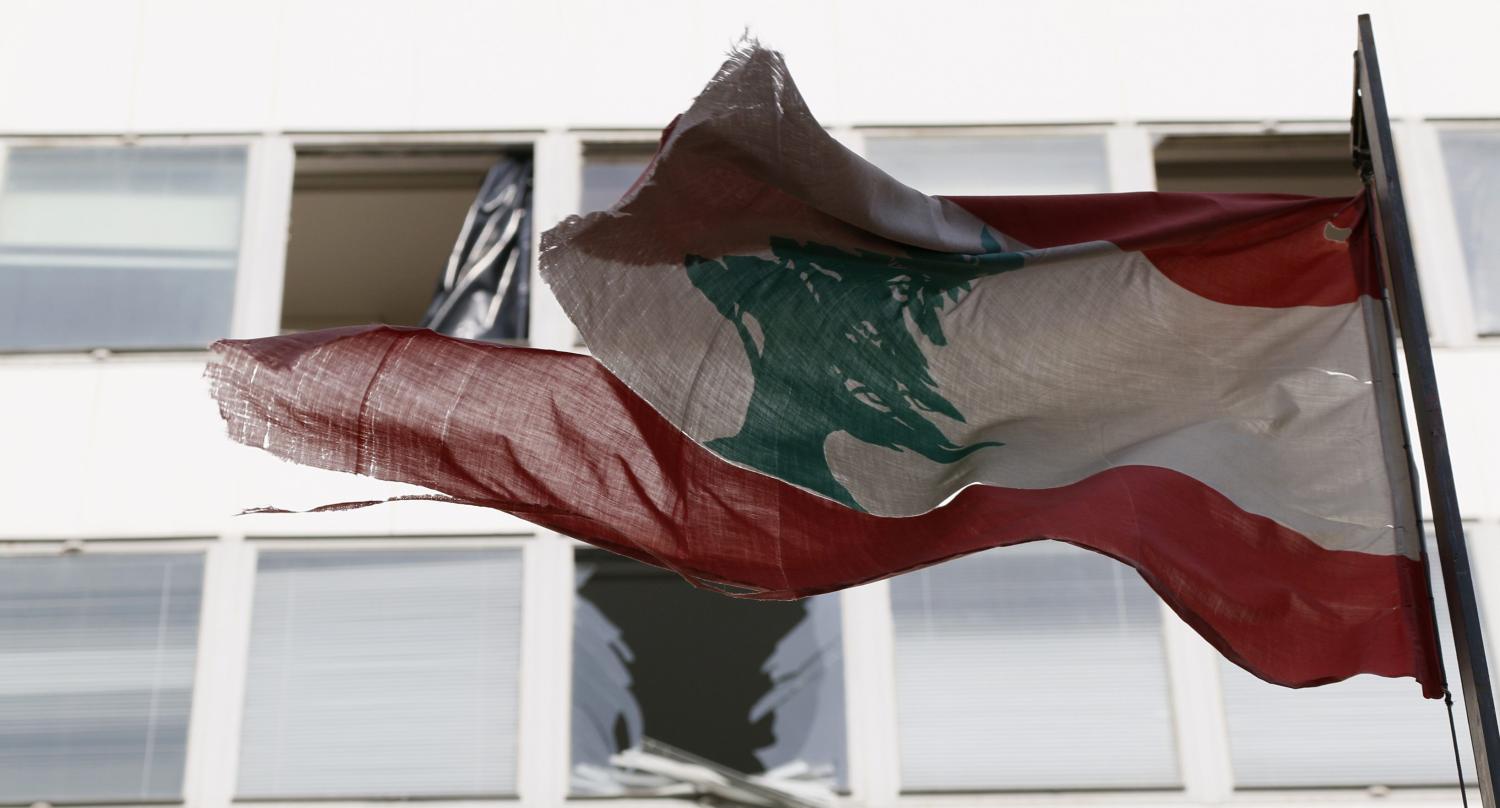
x=748 y=685
x=374 y=232
x=1311 y=164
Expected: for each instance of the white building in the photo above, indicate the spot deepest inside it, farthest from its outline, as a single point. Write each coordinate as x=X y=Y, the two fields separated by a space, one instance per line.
x=174 y=171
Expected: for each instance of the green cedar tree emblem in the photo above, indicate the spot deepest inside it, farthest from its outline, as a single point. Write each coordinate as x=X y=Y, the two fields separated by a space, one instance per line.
x=829 y=337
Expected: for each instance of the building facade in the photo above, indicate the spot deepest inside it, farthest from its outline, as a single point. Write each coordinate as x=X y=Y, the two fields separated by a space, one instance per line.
x=174 y=172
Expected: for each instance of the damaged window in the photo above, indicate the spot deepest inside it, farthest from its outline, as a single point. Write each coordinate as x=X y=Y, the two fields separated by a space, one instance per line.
x=374 y=230
x=755 y=687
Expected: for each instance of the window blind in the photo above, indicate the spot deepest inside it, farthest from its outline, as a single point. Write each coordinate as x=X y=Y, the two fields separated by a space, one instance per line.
x=1031 y=667
x=382 y=674
x=120 y=247
x=96 y=676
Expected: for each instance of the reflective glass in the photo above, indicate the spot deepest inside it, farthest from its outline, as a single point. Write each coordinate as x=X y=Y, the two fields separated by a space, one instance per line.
x=1031 y=667
x=994 y=166
x=125 y=247
x=1473 y=159
x=382 y=674
x=96 y=676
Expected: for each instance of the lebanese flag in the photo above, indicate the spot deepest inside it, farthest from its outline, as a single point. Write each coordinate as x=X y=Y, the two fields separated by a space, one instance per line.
x=807 y=376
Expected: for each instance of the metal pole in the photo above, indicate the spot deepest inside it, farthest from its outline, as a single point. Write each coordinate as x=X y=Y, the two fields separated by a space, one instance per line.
x=1377 y=156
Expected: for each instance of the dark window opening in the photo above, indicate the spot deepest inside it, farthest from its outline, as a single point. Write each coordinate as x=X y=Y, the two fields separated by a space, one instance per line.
x=373 y=231
x=1314 y=165
x=746 y=684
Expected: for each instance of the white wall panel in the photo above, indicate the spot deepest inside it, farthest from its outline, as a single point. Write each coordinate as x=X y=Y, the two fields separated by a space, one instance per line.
x=202 y=66
x=1211 y=61
x=131 y=446
x=974 y=62
x=68 y=66
x=171 y=65
x=481 y=64
x=1446 y=56
x=345 y=65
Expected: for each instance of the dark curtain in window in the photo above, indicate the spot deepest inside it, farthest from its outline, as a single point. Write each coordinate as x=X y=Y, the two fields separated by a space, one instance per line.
x=484 y=288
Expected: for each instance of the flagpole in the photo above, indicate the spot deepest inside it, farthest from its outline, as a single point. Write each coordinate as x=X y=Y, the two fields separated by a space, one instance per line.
x=1376 y=157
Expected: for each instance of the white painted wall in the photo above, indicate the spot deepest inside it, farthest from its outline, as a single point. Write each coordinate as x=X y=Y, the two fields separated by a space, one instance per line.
x=112 y=66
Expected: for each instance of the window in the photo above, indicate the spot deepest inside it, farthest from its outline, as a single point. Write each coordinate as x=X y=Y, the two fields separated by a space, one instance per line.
x=126 y=247
x=382 y=674
x=372 y=232
x=96 y=676
x=992 y=166
x=1314 y=165
x=609 y=170
x=1364 y=731
x=1473 y=159
x=1031 y=667
x=749 y=685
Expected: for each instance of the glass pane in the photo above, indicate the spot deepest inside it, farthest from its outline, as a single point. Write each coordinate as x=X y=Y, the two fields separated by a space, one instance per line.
x=994 y=166
x=747 y=684
x=608 y=172
x=382 y=674
x=1473 y=159
x=127 y=247
x=1031 y=667
x=96 y=676
x=1365 y=731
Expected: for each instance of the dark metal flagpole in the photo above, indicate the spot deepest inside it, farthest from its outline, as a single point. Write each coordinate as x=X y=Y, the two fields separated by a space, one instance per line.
x=1376 y=156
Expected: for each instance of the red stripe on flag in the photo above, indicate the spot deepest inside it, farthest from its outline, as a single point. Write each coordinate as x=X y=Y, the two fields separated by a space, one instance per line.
x=555 y=439
x=1267 y=250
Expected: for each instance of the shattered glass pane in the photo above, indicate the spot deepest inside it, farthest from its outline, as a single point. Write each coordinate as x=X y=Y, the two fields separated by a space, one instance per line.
x=749 y=685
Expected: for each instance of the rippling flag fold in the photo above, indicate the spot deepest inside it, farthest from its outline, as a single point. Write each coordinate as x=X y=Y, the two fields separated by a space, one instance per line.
x=806 y=376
